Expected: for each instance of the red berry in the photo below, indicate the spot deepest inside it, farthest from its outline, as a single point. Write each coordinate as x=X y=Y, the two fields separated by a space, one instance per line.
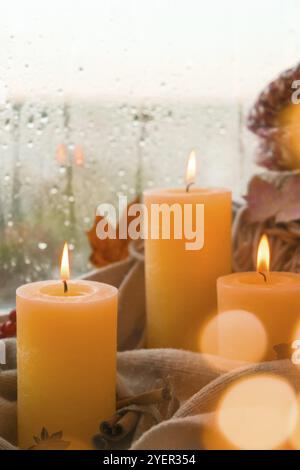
x=13 y=316
x=9 y=328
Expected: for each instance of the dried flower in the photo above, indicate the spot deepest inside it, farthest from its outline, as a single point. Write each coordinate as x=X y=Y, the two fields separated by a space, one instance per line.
x=48 y=441
x=274 y=118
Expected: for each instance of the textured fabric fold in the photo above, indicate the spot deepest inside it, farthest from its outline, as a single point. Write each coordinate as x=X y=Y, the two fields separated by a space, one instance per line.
x=197 y=381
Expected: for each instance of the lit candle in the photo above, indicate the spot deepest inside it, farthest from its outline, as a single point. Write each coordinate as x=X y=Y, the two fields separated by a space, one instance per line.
x=272 y=297
x=66 y=360
x=181 y=282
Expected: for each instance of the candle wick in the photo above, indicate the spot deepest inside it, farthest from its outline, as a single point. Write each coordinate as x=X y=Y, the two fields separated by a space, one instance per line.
x=65 y=286
x=263 y=275
x=188 y=186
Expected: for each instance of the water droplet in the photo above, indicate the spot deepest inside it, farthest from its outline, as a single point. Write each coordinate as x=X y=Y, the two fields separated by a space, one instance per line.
x=42 y=245
x=44 y=117
x=30 y=122
x=53 y=190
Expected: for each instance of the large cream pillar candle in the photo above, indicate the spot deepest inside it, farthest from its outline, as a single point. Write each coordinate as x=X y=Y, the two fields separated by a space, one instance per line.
x=66 y=362
x=181 y=283
x=271 y=297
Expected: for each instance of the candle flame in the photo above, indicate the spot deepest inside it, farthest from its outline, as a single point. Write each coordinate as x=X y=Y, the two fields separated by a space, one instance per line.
x=64 y=267
x=191 y=168
x=263 y=255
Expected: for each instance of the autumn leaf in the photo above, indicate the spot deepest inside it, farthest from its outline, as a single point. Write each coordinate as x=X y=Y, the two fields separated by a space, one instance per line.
x=109 y=250
x=266 y=200
x=290 y=201
x=263 y=198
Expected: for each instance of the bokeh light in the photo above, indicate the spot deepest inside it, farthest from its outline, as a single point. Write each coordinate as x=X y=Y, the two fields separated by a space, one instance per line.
x=235 y=334
x=259 y=412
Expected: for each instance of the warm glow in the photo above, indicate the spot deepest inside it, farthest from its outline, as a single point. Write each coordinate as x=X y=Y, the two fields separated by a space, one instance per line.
x=263 y=255
x=191 y=169
x=236 y=335
x=78 y=156
x=61 y=154
x=258 y=412
x=64 y=267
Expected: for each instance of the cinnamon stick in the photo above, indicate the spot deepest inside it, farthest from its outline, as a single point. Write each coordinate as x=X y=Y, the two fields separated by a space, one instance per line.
x=146 y=398
x=119 y=426
x=122 y=423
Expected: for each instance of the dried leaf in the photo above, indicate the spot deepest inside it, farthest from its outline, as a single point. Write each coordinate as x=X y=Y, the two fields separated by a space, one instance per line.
x=109 y=250
x=290 y=205
x=264 y=200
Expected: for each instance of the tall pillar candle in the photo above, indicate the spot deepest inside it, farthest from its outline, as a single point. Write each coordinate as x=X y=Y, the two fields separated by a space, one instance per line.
x=181 y=283
x=66 y=362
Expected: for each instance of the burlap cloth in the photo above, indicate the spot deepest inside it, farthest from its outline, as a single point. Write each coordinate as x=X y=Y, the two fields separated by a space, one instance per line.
x=197 y=380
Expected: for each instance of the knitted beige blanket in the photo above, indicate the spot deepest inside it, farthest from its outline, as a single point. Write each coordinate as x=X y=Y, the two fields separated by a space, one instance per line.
x=197 y=381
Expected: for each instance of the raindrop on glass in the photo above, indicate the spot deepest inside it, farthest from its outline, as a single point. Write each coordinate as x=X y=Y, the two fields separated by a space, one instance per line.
x=53 y=190
x=30 y=122
x=42 y=245
x=44 y=117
